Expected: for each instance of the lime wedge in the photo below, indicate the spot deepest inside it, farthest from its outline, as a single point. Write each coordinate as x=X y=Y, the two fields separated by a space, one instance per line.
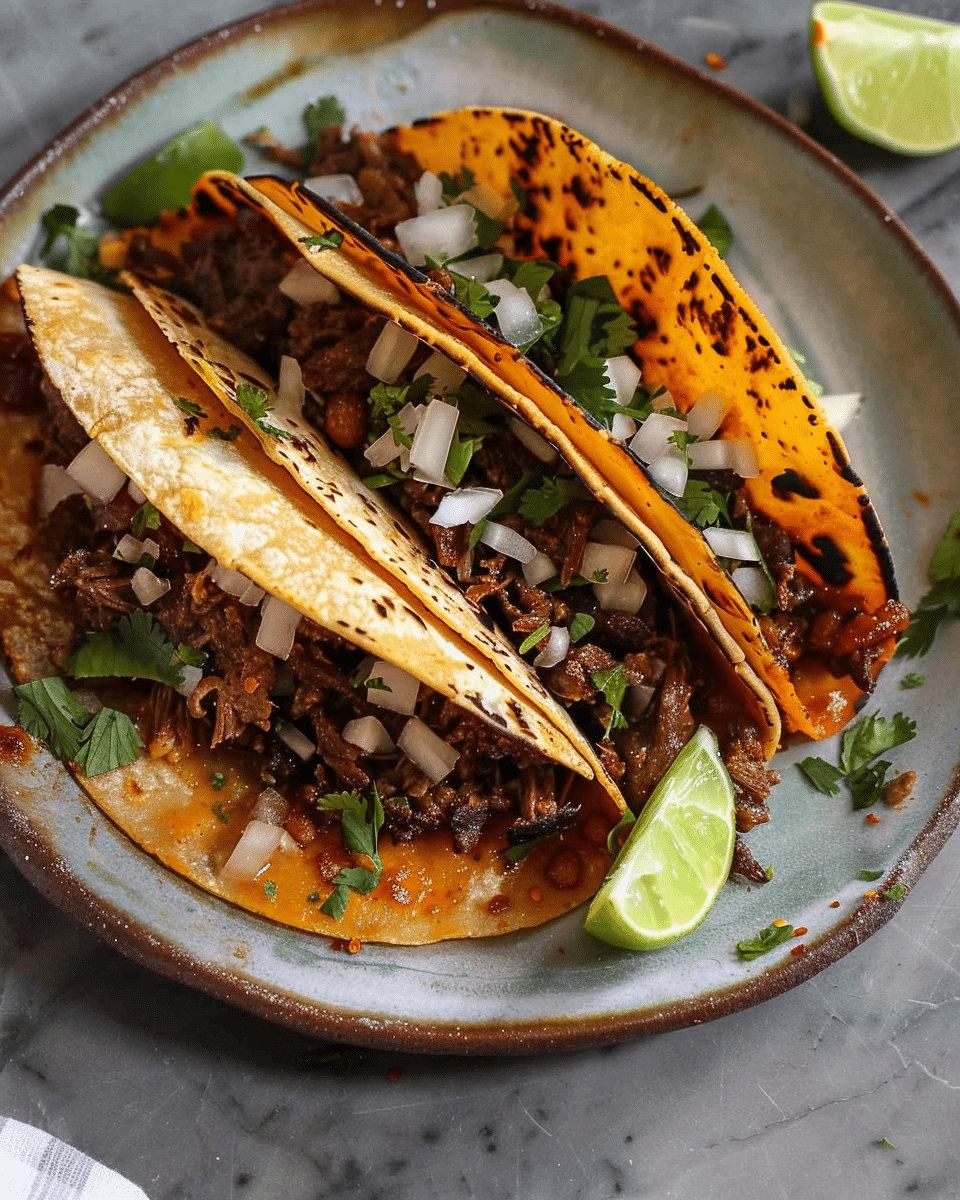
x=675 y=861
x=889 y=77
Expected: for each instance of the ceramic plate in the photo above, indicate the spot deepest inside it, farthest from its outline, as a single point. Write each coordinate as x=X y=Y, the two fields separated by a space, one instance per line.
x=848 y=288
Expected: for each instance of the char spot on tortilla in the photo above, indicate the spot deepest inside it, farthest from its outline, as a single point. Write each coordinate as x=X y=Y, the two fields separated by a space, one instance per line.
x=827 y=559
x=721 y=287
x=654 y=199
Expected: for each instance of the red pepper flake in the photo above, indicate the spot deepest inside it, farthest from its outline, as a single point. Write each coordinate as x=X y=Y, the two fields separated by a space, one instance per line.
x=715 y=61
x=250 y=684
x=394 y=1073
x=834 y=903
x=354 y=946
x=873 y=819
x=800 y=931
x=798 y=950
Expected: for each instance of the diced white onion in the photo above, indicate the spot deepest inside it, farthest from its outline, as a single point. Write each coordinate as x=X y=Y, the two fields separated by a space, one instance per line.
x=622 y=597
x=664 y=400
x=555 y=647
x=129 y=549
x=624 y=375
x=841 y=408
x=754 y=586
x=399 y=691
x=252 y=596
x=428 y=751
x=612 y=533
x=270 y=807
x=370 y=734
x=622 y=427
x=290 y=389
x=466 y=506
x=653 y=438
x=636 y=700
x=706 y=415
x=296 y=741
x=136 y=495
x=538 y=569
x=535 y=442
x=391 y=352
x=386 y=448
x=516 y=314
x=433 y=438
x=428 y=191
x=227 y=580
x=252 y=853
x=151 y=548
x=446 y=374
x=338 y=189
x=670 y=471
x=732 y=543
x=304 y=285
x=507 y=541
x=483 y=268
x=278 y=627
x=148 y=587
x=730 y=454
x=96 y=472
x=191 y=677
x=489 y=201
x=607 y=559
x=443 y=233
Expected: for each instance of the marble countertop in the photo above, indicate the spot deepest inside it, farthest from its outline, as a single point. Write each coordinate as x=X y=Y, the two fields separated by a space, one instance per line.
x=849 y=1084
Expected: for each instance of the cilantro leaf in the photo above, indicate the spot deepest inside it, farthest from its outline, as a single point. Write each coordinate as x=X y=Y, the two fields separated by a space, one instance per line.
x=225 y=435
x=703 y=505
x=580 y=626
x=361 y=820
x=945 y=562
x=533 y=639
x=869 y=876
x=613 y=683
x=82 y=245
x=330 y=239
x=188 y=407
x=871 y=736
x=867 y=784
x=135 y=648
x=462 y=450
x=824 y=776
x=539 y=504
x=473 y=294
x=146 y=517
x=716 y=229
x=335 y=904
x=317 y=117
x=766 y=940
x=109 y=741
x=912 y=680
x=942 y=601
x=533 y=276
x=47 y=710
x=256 y=404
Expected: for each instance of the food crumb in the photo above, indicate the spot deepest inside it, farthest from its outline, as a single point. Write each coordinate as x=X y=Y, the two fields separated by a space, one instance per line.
x=394 y=1073
x=799 y=931
x=715 y=61
x=834 y=903
x=873 y=819
x=354 y=946
x=798 y=950
x=899 y=789
x=536 y=895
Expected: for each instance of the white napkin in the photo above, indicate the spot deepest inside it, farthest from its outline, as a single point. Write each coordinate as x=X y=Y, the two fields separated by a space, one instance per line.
x=34 y=1164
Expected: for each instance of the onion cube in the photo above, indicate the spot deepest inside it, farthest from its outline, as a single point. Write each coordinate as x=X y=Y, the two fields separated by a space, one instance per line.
x=148 y=587
x=397 y=689
x=725 y=454
x=489 y=201
x=338 y=189
x=296 y=741
x=622 y=597
x=303 y=284
x=554 y=648
x=754 y=586
x=369 y=733
x=129 y=549
x=234 y=583
x=483 y=268
x=191 y=677
x=441 y=234
x=446 y=374
x=732 y=543
x=706 y=415
x=252 y=595
x=433 y=438
x=840 y=407
x=428 y=751
x=290 y=389
x=608 y=560
x=535 y=442
x=623 y=375
x=653 y=438
x=136 y=495
x=278 y=627
x=505 y=540
x=391 y=352
x=622 y=427
x=428 y=191
x=252 y=853
x=466 y=506
x=670 y=471
x=516 y=314
x=96 y=472
x=538 y=569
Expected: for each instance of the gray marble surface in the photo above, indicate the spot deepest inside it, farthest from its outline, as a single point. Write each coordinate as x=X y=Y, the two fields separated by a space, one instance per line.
x=190 y=1098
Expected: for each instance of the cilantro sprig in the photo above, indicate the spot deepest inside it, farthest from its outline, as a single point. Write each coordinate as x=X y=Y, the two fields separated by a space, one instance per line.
x=859 y=764
x=613 y=684
x=97 y=743
x=361 y=819
x=942 y=601
x=136 y=647
x=316 y=117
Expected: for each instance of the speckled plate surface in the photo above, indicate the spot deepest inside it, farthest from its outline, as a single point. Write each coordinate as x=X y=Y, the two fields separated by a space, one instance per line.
x=842 y=281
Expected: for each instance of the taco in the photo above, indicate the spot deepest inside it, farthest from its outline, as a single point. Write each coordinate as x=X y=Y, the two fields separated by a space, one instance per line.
x=266 y=698
x=772 y=527
x=530 y=548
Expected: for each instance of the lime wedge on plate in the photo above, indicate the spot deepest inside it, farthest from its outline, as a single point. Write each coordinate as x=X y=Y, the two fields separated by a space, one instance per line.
x=677 y=857
x=890 y=78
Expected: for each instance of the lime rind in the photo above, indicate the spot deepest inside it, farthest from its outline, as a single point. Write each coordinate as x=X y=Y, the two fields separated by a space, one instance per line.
x=678 y=855
x=890 y=78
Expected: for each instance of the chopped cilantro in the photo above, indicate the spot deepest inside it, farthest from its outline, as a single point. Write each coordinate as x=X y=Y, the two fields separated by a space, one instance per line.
x=220 y=812
x=897 y=892
x=884 y=1144
x=533 y=276
x=580 y=626
x=512 y=497
x=533 y=639
x=146 y=517
x=861 y=744
x=188 y=407
x=473 y=294
x=376 y=685
x=462 y=450
x=766 y=940
x=361 y=821
x=270 y=889
x=453 y=186
x=613 y=683
x=599 y=576
x=330 y=239
x=703 y=505
x=539 y=504
x=317 y=117
x=225 y=435
x=868 y=876
x=716 y=229
x=191 y=547
x=218 y=781
x=136 y=647
x=256 y=404
x=190 y=656
x=942 y=601
x=913 y=680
